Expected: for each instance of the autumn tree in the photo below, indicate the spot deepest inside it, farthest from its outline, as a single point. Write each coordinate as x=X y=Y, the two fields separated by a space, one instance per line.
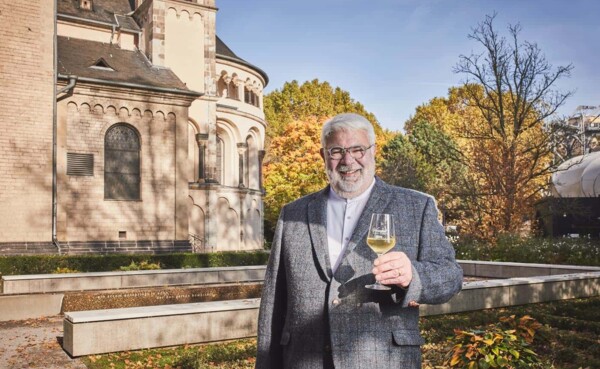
x=478 y=193
x=426 y=159
x=296 y=169
x=500 y=121
x=511 y=85
x=311 y=99
x=294 y=115
x=402 y=165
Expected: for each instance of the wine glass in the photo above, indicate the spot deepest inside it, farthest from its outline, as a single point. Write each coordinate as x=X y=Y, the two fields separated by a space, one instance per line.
x=381 y=239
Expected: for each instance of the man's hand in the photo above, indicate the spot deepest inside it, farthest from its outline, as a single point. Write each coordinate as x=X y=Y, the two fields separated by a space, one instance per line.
x=393 y=268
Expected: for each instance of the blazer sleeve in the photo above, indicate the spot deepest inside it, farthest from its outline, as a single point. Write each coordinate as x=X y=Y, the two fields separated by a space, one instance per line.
x=272 y=312
x=436 y=274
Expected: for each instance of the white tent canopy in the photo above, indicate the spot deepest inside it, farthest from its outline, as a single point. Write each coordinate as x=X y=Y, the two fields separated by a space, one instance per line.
x=578 y=177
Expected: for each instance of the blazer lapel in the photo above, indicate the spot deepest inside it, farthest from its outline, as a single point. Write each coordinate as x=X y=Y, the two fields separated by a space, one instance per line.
x=317 y=224
x=376 y=203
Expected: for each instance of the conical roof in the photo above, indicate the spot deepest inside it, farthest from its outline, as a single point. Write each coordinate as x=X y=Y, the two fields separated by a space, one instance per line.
x=225 y=53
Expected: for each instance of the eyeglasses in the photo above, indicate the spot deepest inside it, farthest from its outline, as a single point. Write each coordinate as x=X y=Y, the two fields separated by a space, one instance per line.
x=357 y=152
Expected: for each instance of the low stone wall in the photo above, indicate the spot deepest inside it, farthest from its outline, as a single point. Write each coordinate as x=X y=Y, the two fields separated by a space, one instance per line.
x=495 y=269
x=21 y=307
x=33 y=296
x=488 y=294
x=52 y=283
x=85 y=332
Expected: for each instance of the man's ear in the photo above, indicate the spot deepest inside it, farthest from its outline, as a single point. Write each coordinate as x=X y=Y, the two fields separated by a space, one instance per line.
x=322 y=153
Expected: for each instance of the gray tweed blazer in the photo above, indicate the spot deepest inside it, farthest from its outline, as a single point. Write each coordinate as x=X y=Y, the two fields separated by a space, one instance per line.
x=306 y=310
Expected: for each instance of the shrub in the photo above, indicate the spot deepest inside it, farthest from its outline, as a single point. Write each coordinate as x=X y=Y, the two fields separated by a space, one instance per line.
x=573 y=251
x=60 y=270
x=504 y=345
x=189 y=360
x=143 y=265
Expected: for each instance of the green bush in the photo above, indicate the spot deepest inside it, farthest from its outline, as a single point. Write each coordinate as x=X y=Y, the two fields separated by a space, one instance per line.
x=570 y=251
x=46 y=264
x=143 y=265
x=503 y=345
x=60 y=270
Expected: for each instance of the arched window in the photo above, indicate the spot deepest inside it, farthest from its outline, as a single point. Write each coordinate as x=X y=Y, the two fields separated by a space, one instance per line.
x=220 y=160
x=222 y=87
x=232 y=91
x=122 y=163
x=227 y=86
x=247 y=95
x=252 y=160
x=232 y=87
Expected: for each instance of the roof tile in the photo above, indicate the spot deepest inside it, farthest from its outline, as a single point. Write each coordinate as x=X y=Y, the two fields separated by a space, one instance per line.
x=75 y=57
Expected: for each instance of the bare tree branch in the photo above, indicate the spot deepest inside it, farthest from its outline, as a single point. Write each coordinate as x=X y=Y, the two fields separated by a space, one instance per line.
x=515 y=97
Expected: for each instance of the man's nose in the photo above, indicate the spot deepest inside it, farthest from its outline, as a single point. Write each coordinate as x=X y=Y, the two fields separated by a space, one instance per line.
x=347 y=157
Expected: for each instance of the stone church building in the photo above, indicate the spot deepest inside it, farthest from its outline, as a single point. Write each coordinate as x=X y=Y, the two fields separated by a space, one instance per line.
x=126 y=126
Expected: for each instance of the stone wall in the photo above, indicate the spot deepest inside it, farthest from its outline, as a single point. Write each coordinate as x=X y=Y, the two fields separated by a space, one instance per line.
x=26 y=119
x=84 y=212
x=221 y=216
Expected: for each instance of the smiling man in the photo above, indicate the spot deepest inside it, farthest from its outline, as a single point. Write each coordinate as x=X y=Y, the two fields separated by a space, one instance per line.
x=316 y=312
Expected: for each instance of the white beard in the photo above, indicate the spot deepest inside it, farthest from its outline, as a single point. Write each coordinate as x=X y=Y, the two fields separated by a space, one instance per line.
x=351 y=187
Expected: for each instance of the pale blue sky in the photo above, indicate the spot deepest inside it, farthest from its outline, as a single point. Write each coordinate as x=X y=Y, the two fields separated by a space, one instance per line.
x=394 y=55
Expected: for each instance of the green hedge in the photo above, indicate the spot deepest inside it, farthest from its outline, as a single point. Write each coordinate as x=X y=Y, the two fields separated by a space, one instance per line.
x=43 y=264
x=565 y=251
x=515 y=249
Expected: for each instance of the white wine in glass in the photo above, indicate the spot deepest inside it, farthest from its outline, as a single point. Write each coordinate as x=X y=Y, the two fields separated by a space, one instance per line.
x=381 y=239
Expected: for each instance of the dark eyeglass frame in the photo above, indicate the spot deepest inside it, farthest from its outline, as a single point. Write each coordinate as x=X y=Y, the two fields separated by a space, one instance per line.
x=357 y=152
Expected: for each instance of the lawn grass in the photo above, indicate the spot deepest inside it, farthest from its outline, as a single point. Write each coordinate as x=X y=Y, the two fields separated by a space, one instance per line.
x=567 y=340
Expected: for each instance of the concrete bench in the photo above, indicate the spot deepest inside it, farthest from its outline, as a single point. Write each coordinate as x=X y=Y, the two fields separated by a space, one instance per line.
x=52 y=283
x=102 y=331
x=112 y=330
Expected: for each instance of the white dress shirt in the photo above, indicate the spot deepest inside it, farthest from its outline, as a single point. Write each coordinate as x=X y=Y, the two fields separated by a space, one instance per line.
x=342 y=216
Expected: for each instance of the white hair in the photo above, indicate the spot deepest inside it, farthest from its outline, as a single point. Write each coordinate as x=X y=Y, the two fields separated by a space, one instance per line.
x=347 y=121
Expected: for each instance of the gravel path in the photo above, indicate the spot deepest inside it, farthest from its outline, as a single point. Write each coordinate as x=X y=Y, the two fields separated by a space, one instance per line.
x=34 y=343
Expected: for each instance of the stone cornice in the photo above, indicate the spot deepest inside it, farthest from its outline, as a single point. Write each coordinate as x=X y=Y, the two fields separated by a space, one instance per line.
x=227 y=110
x=112 y=92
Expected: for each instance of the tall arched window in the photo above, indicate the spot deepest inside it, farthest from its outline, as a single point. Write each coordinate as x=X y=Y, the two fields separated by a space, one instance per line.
x=232 y=91
x=220 y=160
x=222 y=87
x=252 y=170
x=232 y=88
x=122 y=163
x=255 y=100
x=247 y=95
